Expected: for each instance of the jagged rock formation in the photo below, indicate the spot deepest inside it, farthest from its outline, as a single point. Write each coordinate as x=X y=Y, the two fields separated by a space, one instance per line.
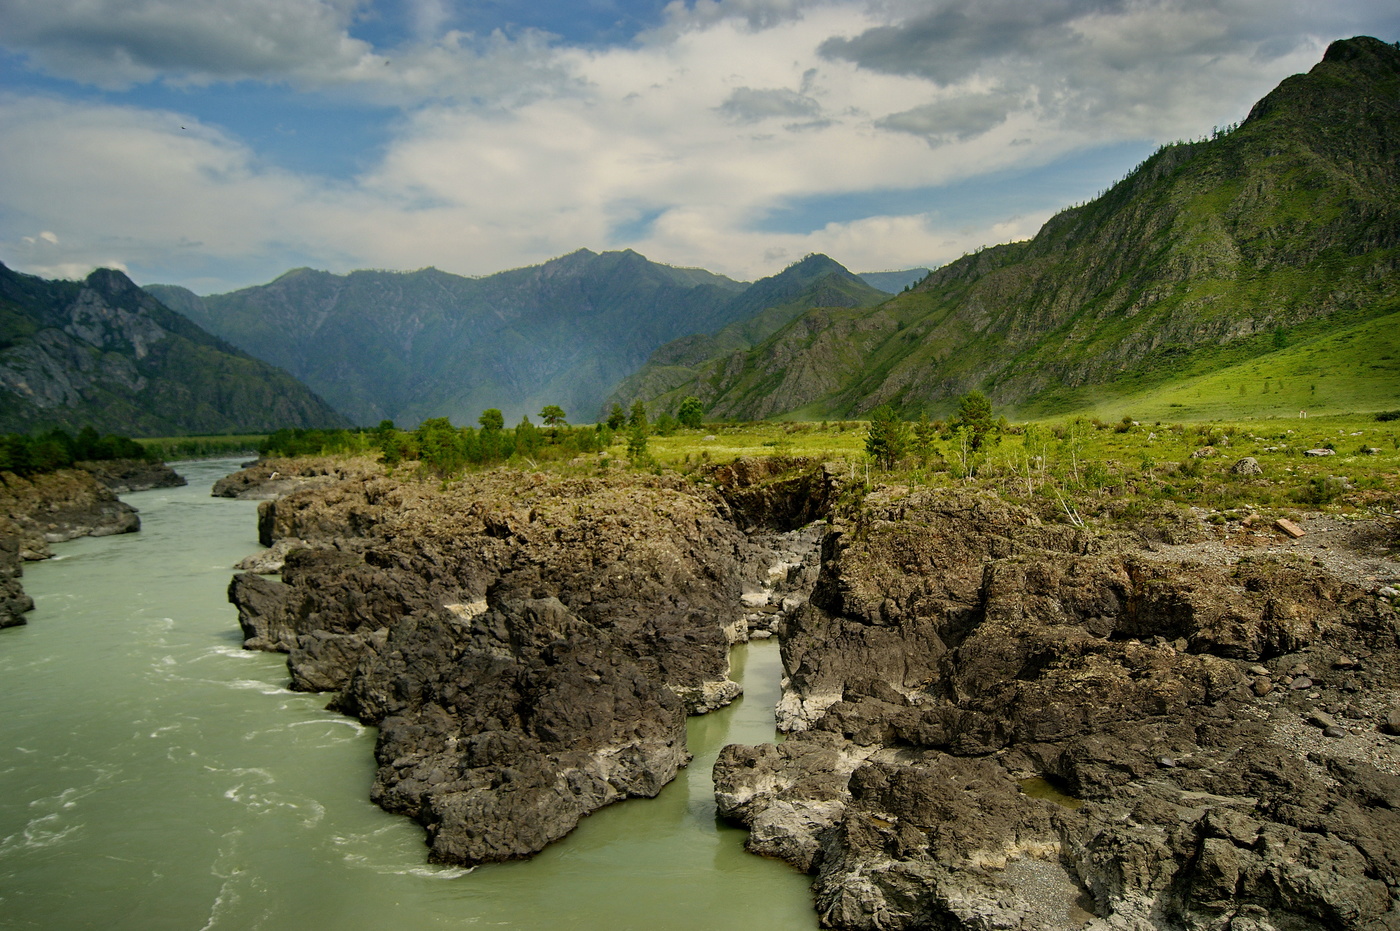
x=958 y=652
x=1279 y=232
x=528 y=644
x=57 y=506
x=104 y=353
x=996 y=719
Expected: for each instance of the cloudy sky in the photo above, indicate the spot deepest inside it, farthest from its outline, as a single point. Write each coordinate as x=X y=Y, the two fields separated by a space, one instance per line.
x=218 y=143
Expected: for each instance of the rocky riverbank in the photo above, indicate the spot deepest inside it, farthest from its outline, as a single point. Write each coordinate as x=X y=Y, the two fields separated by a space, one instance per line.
x=528 y=644
x=996 y=720
x=50 y=508
x=1002 y=722
x=124 y=476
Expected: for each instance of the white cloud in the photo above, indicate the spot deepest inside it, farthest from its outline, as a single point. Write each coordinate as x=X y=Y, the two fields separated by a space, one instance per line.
x=116 y=43
x=510 y=150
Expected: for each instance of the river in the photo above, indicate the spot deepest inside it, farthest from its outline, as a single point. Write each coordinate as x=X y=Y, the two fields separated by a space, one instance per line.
x=154 y=775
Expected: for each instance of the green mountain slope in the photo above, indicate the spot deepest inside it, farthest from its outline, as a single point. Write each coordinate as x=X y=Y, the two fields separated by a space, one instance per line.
x=407 y=346
x=1207 y=255
x=104 y=352
x=1352 y=368
x=680 y=368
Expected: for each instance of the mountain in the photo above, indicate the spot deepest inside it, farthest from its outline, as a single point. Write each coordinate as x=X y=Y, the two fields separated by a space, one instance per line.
x=1270 y=235
x=674 y=369
x=106 y=353
x=407 y=346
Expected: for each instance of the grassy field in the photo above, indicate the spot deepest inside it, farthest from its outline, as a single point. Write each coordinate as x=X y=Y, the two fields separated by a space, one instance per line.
x=1101 y=467
x=1355 y=368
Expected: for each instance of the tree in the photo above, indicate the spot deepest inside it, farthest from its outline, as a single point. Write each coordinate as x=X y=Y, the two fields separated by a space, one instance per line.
x=975 y=416
x=638 y=416
x=691 y=413
x=552 y=415
x=925 y=431
x=492 y=420
x=887 y=437
x=616 y=417
x=441 y=447
x=637 y=442
x=527 y=437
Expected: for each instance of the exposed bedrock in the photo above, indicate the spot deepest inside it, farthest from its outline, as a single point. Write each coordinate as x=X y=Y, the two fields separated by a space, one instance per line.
x=127 y=475
x=529 y=645
x=998 y=722
x=52 y=507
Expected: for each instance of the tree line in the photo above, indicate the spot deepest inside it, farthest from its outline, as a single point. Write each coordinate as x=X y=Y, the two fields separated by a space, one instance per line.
x=58 y=449
x=446 y=449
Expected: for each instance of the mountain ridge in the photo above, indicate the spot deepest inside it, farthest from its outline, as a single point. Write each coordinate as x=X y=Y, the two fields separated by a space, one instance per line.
x=103 y=352
x=405 y=346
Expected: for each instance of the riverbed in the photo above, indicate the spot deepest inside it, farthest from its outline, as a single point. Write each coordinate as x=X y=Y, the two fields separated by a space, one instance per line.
x=155 y=775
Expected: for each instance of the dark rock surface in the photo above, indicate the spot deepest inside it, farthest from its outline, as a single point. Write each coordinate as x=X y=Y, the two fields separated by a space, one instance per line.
x=13 y=601
x=528 y=644
x=127 y=475
x=50 y=508
x=995 y=720
x=958 y=652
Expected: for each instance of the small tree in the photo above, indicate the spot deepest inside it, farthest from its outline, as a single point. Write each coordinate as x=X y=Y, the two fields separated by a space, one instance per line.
x=887 y=437
x=637 y=442
x=638 y=416
x=691 y=413
x=925 y=431
x=616 y=417
x=553 y=415
x=975 y=417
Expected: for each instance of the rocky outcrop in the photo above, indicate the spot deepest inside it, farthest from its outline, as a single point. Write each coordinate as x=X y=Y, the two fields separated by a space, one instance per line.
x=50 y=508
x=56 y=506
x=1001 y=722
x=274 y=478
x=528 y=644
x=124 y=476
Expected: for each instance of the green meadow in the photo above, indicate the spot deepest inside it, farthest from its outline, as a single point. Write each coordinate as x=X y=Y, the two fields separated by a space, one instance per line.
x=1344 y=463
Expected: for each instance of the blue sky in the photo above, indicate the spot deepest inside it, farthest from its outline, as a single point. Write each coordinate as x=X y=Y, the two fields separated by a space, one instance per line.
x=217 y=143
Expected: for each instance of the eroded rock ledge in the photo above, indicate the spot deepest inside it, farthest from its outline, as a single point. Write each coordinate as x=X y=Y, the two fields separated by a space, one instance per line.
x=1000 y=722
x=50 y=508
x=528 y=644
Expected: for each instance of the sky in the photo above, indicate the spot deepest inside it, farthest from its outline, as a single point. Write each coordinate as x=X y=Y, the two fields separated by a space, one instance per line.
x=216 y=144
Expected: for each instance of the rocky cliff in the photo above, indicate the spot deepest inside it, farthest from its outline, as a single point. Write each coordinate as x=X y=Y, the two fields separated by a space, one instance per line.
x=1002 y=722
x=528 y=644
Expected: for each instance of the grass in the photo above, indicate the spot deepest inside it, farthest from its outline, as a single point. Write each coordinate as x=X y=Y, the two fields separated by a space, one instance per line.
x=1102 y=469
x=1356 y=368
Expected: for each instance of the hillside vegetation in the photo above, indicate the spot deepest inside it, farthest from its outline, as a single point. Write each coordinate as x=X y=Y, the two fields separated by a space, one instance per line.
x=1260 y=247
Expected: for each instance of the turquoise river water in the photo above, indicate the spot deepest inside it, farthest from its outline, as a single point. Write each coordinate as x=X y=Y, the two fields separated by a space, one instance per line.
x=154 y=775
